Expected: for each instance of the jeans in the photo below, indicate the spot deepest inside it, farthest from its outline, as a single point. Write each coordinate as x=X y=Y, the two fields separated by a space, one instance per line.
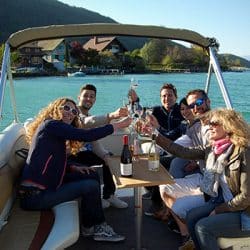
x=89 y=158
x=177 y=168
x=195 y=215
x=210 y=228
x=75 y=185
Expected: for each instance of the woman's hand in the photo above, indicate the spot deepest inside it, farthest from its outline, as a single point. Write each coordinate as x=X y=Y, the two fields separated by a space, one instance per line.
x=120 y=112
x=123 y=123
x=82 y=169
x=153 y=121
x=191 y=166
x=149 y=126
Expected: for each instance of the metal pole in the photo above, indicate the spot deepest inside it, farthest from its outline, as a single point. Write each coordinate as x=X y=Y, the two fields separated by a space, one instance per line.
x=138 y=214
x=6 y=58
x=208 y=77
x=217 y=71
x=12 y=92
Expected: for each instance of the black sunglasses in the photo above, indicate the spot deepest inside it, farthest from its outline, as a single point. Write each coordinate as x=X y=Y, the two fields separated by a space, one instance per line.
x=214 y=123
x=68 y=108
x=197 y=103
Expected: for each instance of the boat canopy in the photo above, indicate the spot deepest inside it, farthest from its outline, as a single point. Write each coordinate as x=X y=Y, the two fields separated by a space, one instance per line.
x=77 y=30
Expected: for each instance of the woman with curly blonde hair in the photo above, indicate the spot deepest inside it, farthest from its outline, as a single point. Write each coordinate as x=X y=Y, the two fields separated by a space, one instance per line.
x=48 y=179
x=53 y=111
x=225 y=182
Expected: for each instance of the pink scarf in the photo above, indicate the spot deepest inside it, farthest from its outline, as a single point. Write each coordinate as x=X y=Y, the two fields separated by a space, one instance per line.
x=221 y=145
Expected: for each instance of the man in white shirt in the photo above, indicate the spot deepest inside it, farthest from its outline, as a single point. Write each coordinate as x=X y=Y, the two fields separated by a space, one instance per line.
x=93 y=153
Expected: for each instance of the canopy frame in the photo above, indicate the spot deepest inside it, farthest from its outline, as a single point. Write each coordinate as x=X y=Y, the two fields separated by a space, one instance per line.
x=77 y=30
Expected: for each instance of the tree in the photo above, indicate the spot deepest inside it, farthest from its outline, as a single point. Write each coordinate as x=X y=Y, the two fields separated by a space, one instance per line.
x=77 y=51
x=1 y=53
x=14 y=57
x=154 y=51
x=109 y=60
x=200 y=57
x=168 y=62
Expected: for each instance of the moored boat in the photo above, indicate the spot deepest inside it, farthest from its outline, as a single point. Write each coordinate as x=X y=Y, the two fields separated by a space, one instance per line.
x=12 y=156
x=77 y=74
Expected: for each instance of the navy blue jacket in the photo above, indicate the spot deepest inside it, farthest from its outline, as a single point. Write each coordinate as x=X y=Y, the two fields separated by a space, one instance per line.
x=47 y=159
x=169 y=121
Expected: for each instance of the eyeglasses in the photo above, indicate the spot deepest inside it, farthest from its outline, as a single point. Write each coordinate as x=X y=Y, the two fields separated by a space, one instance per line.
x=197 y=103
x=214 y=123
x=68 y=108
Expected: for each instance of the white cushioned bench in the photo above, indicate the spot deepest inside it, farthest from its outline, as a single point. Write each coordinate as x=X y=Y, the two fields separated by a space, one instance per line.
x=65 y=230
x=234 y=243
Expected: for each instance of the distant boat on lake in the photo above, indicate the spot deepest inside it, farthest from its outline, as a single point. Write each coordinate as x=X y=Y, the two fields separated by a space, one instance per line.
x=77 y=74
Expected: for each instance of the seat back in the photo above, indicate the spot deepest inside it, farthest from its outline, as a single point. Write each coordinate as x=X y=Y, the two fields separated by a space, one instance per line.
x=12 y=147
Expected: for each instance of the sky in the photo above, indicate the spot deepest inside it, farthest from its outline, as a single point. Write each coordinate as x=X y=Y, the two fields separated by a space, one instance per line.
x=226 y=20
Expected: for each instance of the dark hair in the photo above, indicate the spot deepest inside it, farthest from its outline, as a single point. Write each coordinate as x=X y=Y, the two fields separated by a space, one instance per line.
x=169 y=86
x=197 y=91
x=88 y=87
x=183 y=101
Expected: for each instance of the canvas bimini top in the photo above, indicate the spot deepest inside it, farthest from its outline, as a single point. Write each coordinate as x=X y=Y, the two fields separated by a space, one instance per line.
x=77 y=30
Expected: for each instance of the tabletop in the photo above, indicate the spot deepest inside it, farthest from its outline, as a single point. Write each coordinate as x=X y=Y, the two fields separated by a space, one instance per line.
x=141 y=175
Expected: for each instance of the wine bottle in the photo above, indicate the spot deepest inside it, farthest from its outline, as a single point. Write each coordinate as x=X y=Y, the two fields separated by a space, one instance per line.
x=153 y=156
x=126 y=159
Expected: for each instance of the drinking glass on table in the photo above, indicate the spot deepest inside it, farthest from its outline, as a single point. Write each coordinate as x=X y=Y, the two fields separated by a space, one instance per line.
x=150 y=124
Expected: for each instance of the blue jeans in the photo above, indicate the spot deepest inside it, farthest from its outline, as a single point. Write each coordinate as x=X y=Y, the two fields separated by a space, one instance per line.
x=75 y=185
x=220 y=225
x=195 y=215
x=89 y=158
x=177 y=168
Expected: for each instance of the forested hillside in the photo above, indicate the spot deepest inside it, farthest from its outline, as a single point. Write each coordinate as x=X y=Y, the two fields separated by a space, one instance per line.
x=20 y=14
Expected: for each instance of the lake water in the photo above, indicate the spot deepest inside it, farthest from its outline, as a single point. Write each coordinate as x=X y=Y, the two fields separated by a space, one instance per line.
x=34 y=93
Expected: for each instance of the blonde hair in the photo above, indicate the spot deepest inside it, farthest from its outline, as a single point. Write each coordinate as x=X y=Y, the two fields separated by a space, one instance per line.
x=233 y=123
x=52 y=111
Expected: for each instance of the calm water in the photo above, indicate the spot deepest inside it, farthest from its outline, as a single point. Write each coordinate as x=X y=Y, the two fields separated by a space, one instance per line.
x=34 y=93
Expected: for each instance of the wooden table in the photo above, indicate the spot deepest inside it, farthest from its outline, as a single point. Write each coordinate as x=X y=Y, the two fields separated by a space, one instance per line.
x=141 y=177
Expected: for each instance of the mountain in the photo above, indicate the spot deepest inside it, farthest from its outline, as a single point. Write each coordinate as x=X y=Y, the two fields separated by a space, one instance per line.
x=233 y=60
x=20 y=14
x=247 y=57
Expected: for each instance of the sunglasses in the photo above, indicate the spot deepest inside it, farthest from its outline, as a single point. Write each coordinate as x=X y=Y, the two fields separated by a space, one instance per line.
x=68 y=108
x=197 y=103
x=214 y=123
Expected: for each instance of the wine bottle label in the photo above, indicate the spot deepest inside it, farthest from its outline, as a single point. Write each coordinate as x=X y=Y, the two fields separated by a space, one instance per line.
x=153 y=165
x=126 y=169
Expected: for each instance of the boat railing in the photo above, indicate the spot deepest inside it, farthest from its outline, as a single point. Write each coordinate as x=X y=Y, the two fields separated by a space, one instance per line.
x=6 y=71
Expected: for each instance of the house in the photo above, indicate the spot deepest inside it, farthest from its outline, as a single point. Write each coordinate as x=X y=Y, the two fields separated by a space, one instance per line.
x=31 y=55
x=101 y=44
x=55 y=51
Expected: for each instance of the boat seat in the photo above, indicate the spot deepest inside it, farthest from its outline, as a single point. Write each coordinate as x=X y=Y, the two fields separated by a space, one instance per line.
x=234 y=243
x=65 y=230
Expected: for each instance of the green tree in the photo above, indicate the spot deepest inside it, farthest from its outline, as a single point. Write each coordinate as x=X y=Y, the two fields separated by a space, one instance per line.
x=14 y=57
x=153 y=51
x=168 y=62
x=1 y=53
x=109 y=60
x=199 y=57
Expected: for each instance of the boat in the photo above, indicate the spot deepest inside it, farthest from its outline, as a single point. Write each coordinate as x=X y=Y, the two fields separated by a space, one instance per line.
x=77 y=74
x=25 y=229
